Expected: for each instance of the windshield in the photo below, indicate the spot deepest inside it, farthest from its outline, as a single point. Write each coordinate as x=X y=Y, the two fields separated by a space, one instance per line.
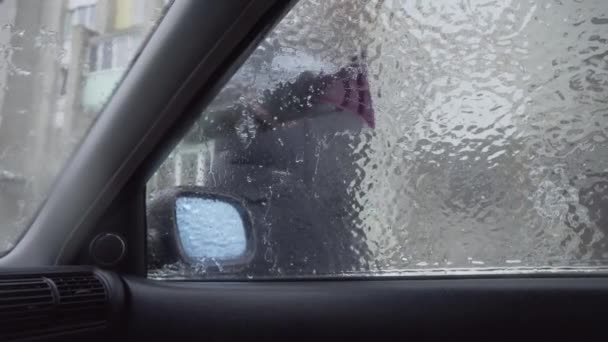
x=60 y=61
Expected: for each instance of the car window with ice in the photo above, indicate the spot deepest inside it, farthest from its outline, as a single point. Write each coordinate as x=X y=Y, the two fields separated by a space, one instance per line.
x=414 y=137
x=60 y=61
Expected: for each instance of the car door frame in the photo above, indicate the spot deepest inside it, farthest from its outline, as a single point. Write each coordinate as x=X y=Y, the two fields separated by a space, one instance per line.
x=103 y=189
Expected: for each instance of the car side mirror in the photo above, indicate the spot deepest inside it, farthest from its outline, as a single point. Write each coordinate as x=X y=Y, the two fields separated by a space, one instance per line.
x=197 y=227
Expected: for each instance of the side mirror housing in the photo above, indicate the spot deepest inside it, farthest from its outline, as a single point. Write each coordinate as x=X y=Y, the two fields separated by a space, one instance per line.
x=197 y=227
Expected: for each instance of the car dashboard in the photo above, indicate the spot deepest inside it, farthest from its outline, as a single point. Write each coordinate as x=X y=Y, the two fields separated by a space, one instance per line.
x=60 y=303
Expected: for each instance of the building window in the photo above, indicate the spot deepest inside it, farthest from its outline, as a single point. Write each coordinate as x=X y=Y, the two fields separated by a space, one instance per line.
x=83 y=15
x=106 y=57
x=113 y=52
x=138 y=11
x=124 y=47
x=93 y=58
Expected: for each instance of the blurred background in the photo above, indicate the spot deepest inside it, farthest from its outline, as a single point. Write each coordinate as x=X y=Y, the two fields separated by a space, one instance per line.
x=60 y=60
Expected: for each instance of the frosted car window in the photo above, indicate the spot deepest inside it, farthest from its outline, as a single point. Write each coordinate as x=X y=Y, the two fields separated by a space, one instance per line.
x=414 y=137
x=56 y=73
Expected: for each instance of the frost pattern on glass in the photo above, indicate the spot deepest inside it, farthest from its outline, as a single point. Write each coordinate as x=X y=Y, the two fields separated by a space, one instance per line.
x=210 y=228
x=52 y=85
x=486 y=153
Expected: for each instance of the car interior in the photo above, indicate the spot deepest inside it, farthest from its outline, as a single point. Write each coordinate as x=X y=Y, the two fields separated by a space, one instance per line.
x=80 y=272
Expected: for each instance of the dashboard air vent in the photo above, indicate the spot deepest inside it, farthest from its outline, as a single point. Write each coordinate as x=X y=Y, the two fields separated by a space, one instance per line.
x=34 y=306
